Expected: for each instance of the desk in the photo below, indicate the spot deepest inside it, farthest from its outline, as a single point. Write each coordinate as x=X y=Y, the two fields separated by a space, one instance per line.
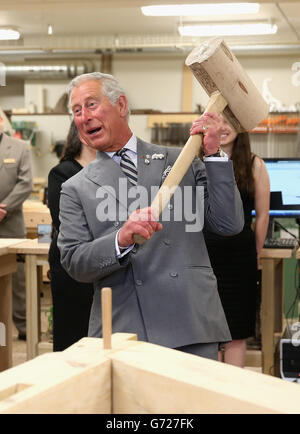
x=272 y=304
x=8 y=265
x=36 y=255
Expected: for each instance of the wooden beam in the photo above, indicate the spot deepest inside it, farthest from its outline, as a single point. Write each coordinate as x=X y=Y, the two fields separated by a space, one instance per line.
x=77 y=380
x=152 y=379
x=57 y=383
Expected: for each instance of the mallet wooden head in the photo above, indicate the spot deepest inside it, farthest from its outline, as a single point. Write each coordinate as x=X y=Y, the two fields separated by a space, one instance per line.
x=217 y=69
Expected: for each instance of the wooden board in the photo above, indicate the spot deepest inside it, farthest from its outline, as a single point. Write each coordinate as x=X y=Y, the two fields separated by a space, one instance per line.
x=34 y=205
x=277 y=253
x=30 y=246
x=5 y=243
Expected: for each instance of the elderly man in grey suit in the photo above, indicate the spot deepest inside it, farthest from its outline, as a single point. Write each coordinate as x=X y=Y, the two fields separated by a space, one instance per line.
x=165 y=290
x=15 y=187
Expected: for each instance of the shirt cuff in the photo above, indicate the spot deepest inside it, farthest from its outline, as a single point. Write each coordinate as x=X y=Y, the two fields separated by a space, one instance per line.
x=222 y=157
x=215 y=158
x=122 y=253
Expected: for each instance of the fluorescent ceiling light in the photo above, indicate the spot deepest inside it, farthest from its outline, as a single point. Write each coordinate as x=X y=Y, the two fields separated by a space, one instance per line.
x=8 y=34
x=227 y=29
x=200 y=9
x=50 y=30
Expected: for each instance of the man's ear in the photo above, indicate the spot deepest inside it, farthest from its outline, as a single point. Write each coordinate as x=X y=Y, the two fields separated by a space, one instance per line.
x=123 y=105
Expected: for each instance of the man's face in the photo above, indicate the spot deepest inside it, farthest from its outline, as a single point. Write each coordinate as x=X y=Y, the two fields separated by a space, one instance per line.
x=100 y=124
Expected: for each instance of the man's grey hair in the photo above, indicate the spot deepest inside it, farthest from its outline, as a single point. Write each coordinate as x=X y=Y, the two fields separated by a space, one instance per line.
x=109 y=85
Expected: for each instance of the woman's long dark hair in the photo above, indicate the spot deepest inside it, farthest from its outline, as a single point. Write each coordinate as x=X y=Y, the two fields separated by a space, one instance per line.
x=242 y=159
x=73 y=146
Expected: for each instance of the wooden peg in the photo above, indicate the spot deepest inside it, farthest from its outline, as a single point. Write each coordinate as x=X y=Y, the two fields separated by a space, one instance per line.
x=106 y=317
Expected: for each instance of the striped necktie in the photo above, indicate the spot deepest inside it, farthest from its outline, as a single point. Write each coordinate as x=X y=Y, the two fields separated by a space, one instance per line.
x=128 y=166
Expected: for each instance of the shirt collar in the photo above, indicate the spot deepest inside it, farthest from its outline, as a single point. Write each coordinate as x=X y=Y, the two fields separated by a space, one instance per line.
x=131 y=145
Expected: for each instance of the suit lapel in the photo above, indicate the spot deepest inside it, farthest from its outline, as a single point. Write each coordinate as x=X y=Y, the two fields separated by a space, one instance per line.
x=105 y=172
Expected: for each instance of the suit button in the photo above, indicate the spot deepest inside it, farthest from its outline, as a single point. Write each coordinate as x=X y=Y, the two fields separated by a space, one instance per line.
x=173 y=274
x=134 y=250
x=138 y=282
x=116 y=224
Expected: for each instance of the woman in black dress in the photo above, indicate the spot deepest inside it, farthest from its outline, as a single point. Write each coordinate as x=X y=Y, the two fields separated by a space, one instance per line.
x=235 y=260
x=71 y=300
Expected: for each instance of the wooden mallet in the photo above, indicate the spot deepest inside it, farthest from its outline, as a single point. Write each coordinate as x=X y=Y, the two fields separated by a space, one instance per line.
x=231 y=93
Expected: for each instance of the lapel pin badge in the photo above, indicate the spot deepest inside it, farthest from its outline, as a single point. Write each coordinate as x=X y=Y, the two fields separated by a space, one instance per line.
x=158 y=156
x=166 y=172
x=146 y=158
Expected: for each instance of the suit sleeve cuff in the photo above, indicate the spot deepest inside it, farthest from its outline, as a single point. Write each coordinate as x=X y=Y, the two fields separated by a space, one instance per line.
x=121 y=252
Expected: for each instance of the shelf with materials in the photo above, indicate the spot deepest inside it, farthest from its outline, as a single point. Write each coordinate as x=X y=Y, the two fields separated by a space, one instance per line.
x=276 y=123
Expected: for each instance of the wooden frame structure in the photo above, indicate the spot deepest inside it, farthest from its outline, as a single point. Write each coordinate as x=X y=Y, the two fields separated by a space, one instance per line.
x=136 y=378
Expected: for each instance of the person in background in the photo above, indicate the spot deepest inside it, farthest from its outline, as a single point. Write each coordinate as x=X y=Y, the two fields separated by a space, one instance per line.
x=164 y=290
x=15 y=186
x=236 y=260
x=71 y=299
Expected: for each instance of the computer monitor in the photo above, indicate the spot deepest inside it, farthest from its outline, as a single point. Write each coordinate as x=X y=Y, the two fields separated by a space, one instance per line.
x=284 y=176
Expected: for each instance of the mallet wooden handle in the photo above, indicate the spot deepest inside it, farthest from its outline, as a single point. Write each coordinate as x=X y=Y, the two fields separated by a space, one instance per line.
x=190 y=150
x=106 y=317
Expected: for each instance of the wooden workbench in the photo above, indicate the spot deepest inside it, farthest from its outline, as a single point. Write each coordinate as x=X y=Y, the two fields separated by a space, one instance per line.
x=36 y=256
x=272 y=304
x=8 y=265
